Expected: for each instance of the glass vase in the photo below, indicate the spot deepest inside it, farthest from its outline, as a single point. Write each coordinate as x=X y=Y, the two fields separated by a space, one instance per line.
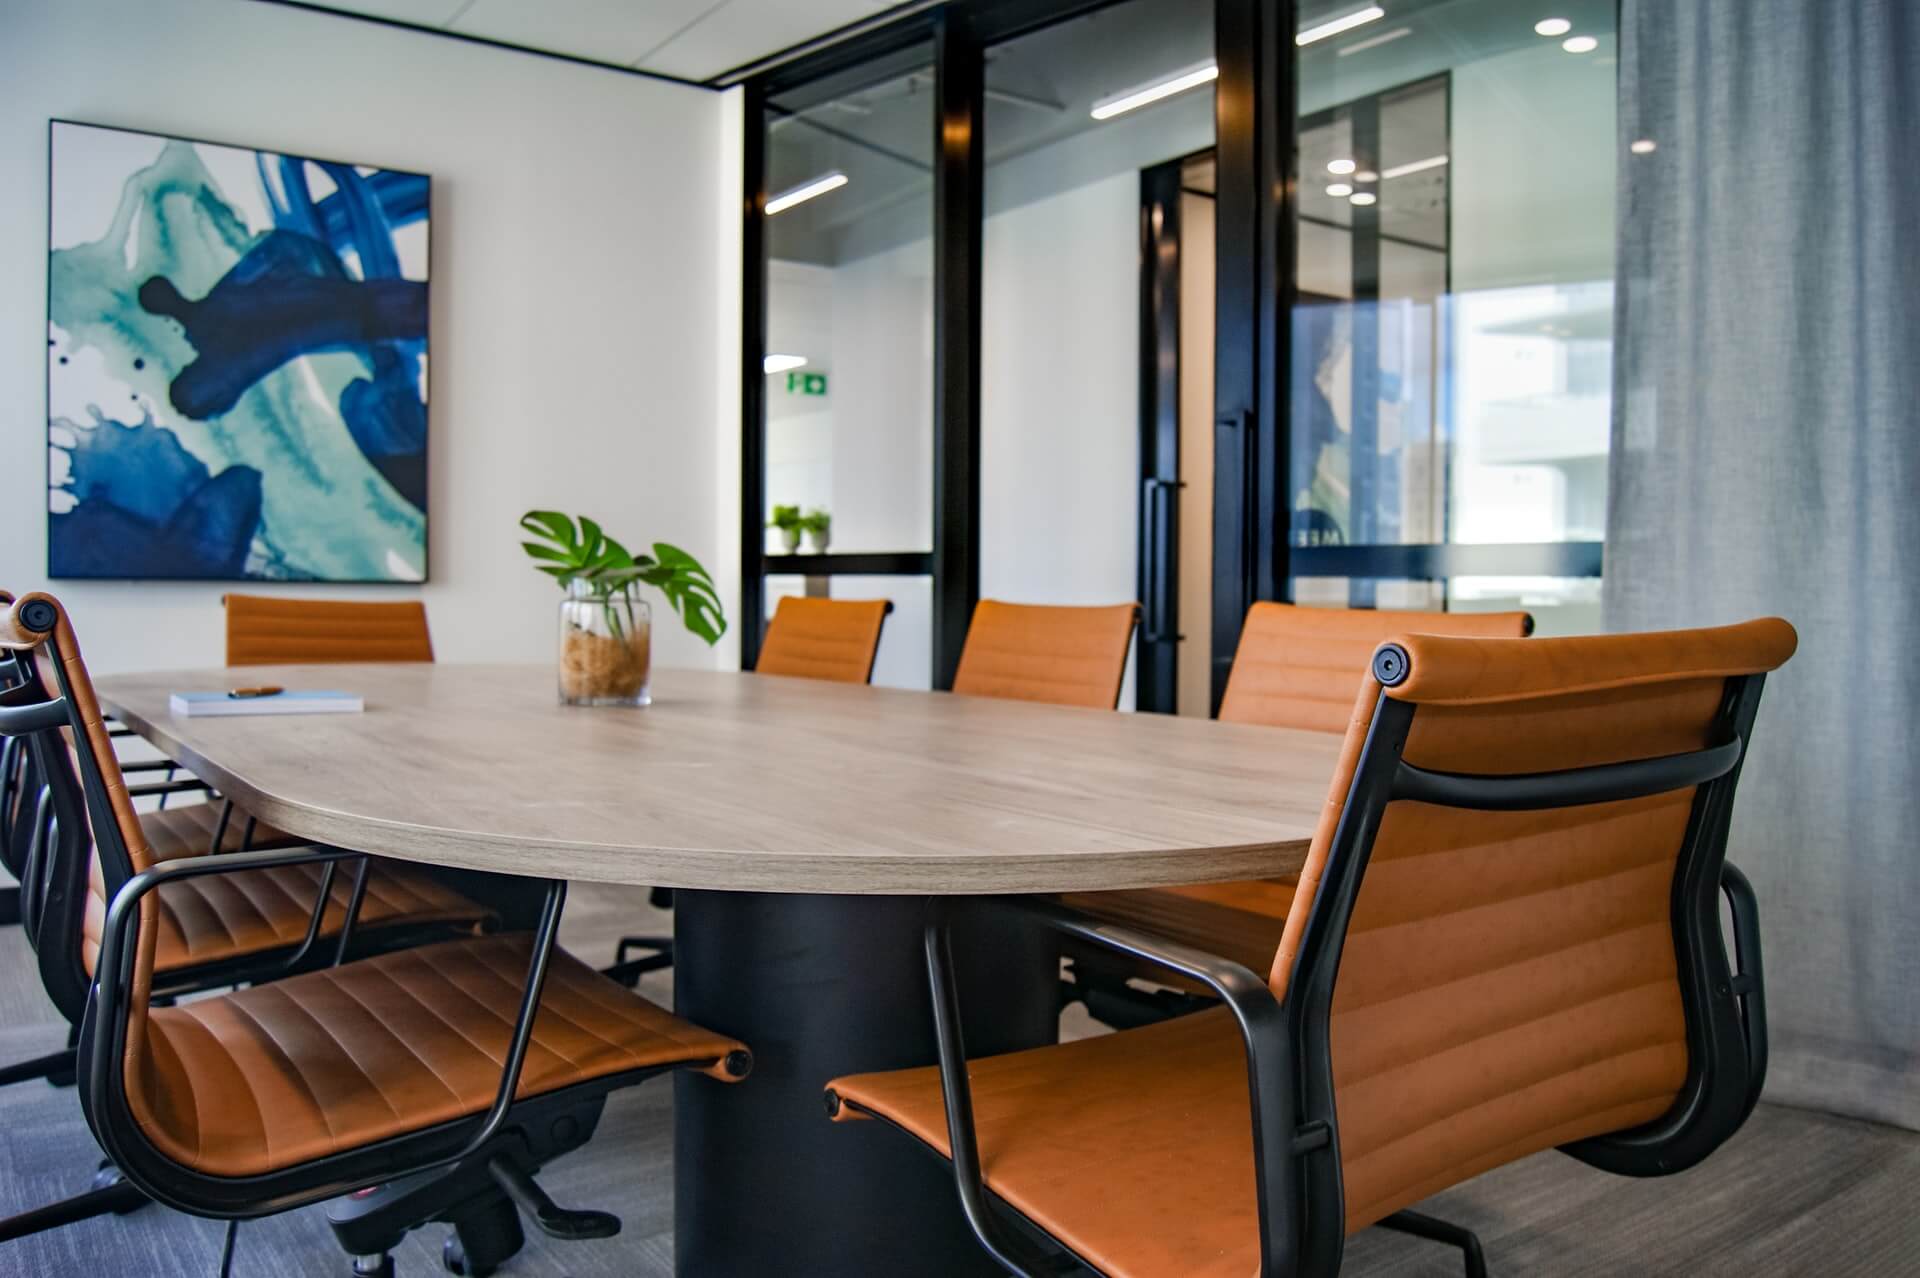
x=606 y=649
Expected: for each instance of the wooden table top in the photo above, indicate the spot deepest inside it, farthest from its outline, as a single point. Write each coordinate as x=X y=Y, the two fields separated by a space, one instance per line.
x=751 y=782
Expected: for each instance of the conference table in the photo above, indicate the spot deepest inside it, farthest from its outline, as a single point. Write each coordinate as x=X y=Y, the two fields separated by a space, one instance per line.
x=803 y=825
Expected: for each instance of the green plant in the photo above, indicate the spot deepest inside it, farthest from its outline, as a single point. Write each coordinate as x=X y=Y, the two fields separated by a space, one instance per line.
x=816 y=521
x=786 y=517
x=580 y=552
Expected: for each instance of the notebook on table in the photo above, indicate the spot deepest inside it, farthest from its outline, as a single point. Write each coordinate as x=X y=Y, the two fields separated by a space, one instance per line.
x=198 y=705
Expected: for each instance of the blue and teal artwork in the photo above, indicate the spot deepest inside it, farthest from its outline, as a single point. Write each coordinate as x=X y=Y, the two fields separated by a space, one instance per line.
x=236 y=363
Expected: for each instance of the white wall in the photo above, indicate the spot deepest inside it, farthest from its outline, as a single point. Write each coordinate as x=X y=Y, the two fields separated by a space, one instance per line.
x=1060 y=399
x=585 y=271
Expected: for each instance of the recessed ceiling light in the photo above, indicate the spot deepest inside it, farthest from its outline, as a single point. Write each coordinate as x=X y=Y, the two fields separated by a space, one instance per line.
x=1179 y=82
x=1366 y=175
x=1552 y=27
x=1644 y=146
x=1362 y=198
x=1339 y=190
x=1341 y=167
x=806 y=191
x=1414 y=166
x=1346 y=22
x=1372 y=42
x=783 y=363
x=1580 y=44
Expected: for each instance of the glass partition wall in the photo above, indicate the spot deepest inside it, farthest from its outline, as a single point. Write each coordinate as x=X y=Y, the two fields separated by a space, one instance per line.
x=1451 y=341
x=975 y=310
x=848 y=390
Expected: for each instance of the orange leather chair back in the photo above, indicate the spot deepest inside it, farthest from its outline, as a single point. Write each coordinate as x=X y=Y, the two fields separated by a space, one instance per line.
x=833 y=639
x=1028 y=652
x=1508 y=982
x=1295 y=666
x=55 y=645
x=264 y=631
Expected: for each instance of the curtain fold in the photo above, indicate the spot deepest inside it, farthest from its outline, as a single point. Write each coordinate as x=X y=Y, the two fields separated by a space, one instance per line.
x=1766 y=459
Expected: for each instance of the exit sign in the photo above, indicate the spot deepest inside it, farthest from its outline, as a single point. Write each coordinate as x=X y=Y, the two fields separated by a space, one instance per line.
x=806 y=383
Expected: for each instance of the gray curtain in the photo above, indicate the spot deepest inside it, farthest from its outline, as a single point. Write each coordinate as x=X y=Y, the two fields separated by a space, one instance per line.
x=1766 y=459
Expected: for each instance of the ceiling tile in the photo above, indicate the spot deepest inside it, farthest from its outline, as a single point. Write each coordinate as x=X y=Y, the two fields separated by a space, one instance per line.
x=426 y=13
x=739 y=31
x=617 y=31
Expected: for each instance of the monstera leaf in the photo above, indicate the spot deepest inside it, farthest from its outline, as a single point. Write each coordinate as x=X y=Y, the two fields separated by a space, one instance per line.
x=578 y=550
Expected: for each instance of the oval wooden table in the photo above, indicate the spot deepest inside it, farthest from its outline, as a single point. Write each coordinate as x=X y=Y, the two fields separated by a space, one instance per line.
x=803 y=824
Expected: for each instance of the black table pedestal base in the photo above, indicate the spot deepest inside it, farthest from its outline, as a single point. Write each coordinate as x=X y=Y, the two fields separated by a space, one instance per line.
x=820 y=986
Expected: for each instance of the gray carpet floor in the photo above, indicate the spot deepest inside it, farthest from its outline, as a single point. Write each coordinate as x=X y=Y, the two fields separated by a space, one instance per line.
x=1793 y=1193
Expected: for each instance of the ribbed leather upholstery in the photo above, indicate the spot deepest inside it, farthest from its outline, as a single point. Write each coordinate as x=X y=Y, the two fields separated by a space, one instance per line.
x=264 y=631
x=230 y=916
x=833 y=639
x=1295 y=667
x=272 y=1076
x=187 y=830
x=283 y=1073
x=1508 y=985
x=1028 y=652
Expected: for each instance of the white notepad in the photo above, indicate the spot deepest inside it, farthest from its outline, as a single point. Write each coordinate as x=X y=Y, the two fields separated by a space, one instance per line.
x=196 y=705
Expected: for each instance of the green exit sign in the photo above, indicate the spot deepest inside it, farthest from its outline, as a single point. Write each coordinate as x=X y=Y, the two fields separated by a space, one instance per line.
x=806 y=383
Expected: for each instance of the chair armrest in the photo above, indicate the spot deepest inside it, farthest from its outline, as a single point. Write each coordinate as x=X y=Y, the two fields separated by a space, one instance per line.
x=19 y=720
x=1260 y=1017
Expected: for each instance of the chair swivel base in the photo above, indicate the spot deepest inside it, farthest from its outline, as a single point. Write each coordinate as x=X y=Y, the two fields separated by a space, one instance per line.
x=1434 y=1229
x=110 y=1194
x=482 y=1198
x=628 y=971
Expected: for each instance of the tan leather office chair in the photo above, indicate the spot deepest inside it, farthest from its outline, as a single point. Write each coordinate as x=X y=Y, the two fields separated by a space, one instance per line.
x=1507 y=938
x=834 y=639
x=264 y=631
x=1069 y=656
x=356 y=1075
x=1294 y=668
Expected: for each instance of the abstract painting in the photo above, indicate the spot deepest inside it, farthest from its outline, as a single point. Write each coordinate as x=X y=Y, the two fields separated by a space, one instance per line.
x=236 y=363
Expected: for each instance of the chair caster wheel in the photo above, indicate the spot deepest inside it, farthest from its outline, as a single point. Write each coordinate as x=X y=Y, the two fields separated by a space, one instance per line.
x=107 y=1176
x=373 y=1266
x=453 y=1257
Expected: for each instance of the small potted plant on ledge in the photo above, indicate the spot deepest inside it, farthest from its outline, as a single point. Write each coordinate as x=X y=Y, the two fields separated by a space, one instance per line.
x=606 y=631
x=818 y=525
x=787 y=520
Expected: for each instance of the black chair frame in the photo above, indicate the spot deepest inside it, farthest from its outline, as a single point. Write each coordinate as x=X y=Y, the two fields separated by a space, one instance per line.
x=1301 y=1195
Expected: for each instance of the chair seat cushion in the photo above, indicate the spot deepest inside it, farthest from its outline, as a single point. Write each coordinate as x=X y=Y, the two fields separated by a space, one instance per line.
x=267 y=1077
x=187 y=830
x=1241 y=921
x=1133 y=1149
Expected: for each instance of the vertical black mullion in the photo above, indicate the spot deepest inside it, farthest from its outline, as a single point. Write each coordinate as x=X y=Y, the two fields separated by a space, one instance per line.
x=753 y=381
x=1363 y=445
x=1155 y=687
x=957 y=210
x=1255 y=127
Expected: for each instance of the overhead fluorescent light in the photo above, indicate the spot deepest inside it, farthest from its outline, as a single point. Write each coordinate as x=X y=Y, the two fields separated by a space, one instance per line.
x=1339 y=190
x=1179 y=82
x=1552 y=27
x=1366 y=175
x=1346 y=22
x=1362 y=198
x=806 y=191
x=1341 y=167
x=1372 y=42
x=1414 y=166
x=1580 y=44
x=1644 y=146
x=784 y=363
